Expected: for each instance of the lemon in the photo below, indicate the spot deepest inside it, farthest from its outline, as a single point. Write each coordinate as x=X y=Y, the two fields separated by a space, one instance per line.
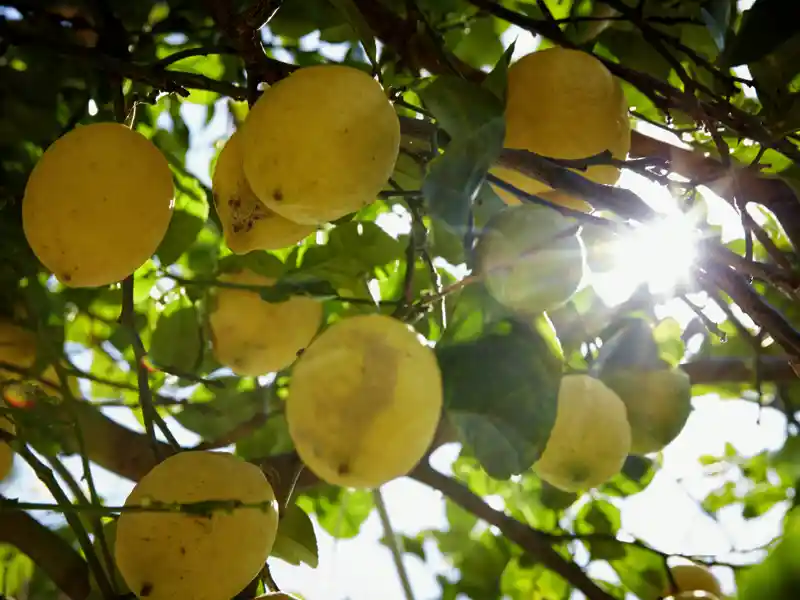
x=563 y=103
x=590 y=438
x=97 y=204
x=529 y=258
x=658 y=403
x=320 y=144
x=168 y=555
x=247 y=223
x=6 y=452
x=18 y=348
x=694 y=578
x=557 y=197
x=252 y=336
x=364 y=401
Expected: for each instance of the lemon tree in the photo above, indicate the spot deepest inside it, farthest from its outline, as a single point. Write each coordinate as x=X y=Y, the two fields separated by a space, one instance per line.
x=530 y=266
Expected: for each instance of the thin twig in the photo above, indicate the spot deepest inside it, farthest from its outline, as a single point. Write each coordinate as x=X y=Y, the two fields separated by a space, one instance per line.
x=393 y=543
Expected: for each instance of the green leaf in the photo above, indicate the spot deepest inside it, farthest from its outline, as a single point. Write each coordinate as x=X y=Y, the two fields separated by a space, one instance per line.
x=268 y=440
x=778 y=576
x=189 y=217
x=504 y=419
x=177 y=339
x=461 y=107
x=16 y=570
x=359 y=24
x=339 y=511
x=497 y=79
x=641 y=571
x=716 y=14
x=214 y=413
x=764 y=27
x=632 y=345
x=296 y=542
x=411 y=545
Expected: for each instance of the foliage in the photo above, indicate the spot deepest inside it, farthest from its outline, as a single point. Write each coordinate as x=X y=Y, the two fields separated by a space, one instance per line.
x=180 y=69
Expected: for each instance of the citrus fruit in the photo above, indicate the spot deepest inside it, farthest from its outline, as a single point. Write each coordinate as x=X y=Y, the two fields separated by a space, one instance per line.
x=248 y=224
x=530 y=257
x=203 y=556
x=364 y=401
x=6 y=452
x=252 y=336
x=563 y=103
x=18 y=348
x=320 y=143
x=97 y=204
x=658 y=402
x=590 y=438
x=694 y=578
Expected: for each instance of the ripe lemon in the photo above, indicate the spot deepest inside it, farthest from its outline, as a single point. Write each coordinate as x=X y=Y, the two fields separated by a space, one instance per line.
x=252 y=336
x=529 y=260
x=247 y=223
x=590 y=438
x=320 y=144
x=563 y=103
x=658 y=402
x=364 y=401
x=694 y=578
x=18 y=348
x=6 y=453
x=97 y=204
x=168 y=555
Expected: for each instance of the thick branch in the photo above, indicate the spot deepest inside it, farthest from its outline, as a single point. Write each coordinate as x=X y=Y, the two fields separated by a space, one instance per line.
x=726 y=369
x=527 y=538
x=51 y=553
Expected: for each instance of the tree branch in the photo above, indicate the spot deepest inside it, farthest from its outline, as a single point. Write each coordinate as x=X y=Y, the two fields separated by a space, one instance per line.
x=51 y=553
x=527 y=538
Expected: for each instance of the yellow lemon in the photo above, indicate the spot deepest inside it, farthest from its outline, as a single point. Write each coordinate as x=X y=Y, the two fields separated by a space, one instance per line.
x=6 y=453
x=590 y=438
x=563 y=103
x=252 y=336
x=658 y=403
x=530 y=258
x=168 y=555
x=97 y=204
x=364 y=401
x=694 y=578
x=247 y=223
x=320 y=144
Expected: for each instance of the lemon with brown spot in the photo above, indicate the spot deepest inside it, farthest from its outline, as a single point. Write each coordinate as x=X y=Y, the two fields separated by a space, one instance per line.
x=247 y=224
x=97 y=204
x=321 y=143
x=364 y=401
x=252 y=336
x=563 y=103
x=590 y=438
x=207 y=555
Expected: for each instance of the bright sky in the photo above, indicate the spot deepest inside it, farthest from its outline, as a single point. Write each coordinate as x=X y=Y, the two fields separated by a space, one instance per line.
x=666 y=514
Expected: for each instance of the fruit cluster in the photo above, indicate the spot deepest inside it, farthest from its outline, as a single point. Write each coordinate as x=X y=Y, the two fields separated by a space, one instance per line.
x=365 y=396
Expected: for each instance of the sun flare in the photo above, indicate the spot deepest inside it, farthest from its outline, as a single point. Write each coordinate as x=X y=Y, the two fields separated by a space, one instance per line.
x=660 y=254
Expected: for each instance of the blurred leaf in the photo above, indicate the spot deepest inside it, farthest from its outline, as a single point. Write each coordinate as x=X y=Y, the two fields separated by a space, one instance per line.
x=177 y=339
x=716 y=15
x=296 y=542
x=16 y=570
x=631 y=345
x=777 y=577
x=762 y=499
x=765 y=26
x=410 y=545
x=339 y=511
x=461 y=107
x=505 y=419
x=215 y=412
x=189 y=217
x=642 y=572
x=350 y=10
